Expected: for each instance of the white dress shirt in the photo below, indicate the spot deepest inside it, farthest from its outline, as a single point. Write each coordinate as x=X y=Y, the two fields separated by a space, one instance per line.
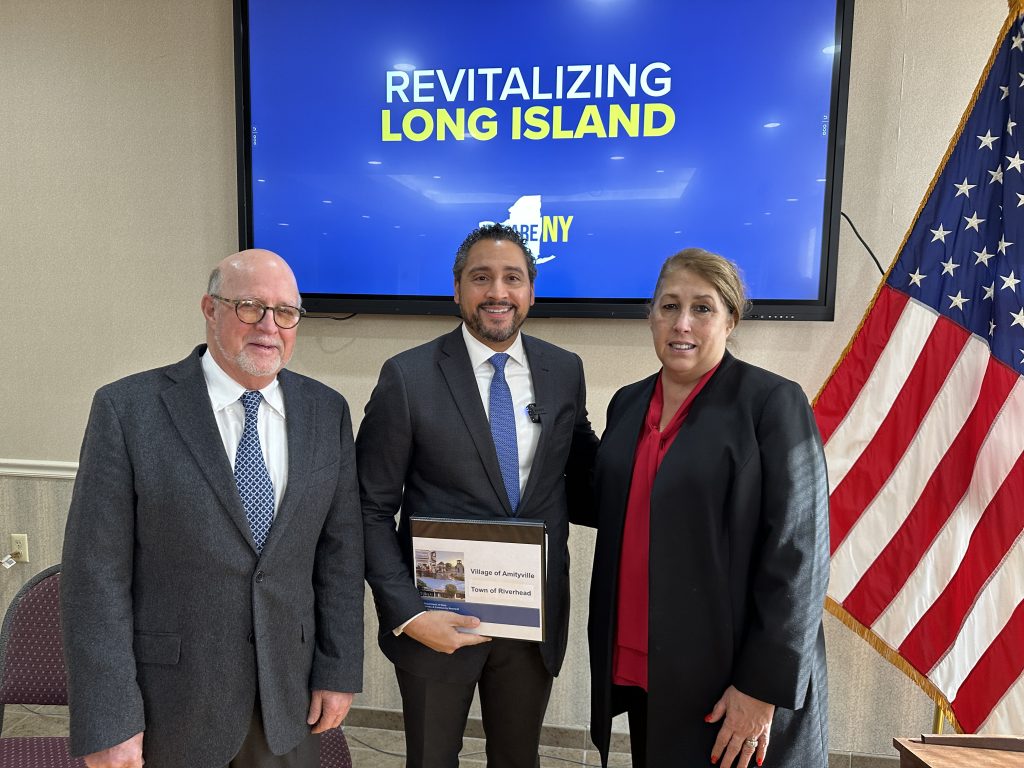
x=230 y=414
x=520 y=383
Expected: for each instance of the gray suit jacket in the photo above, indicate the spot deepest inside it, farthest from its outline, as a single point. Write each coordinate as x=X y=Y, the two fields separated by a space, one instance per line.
x=425 y=448
x=173 y=624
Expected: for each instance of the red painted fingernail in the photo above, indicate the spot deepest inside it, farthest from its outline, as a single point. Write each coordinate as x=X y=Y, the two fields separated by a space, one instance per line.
x=759 y=761
x=714 y=759
x=707 y=718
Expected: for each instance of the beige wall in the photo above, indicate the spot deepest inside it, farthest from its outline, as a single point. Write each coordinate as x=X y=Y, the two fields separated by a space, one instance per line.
x=117 y=193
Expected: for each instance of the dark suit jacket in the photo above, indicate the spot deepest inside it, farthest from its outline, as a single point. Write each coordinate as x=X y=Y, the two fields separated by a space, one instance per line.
x=425 y=448
x=738 y=566
x=172 y=622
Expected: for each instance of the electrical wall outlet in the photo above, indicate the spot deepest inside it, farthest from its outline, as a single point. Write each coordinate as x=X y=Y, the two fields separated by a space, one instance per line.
x=19 y=545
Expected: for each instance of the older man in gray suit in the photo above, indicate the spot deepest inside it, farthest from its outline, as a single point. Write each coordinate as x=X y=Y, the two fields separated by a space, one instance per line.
x=213 y=560
x=482 y=423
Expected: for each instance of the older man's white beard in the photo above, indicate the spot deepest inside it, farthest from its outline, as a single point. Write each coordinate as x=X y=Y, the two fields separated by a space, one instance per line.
x=255 y=368
x=251 y=366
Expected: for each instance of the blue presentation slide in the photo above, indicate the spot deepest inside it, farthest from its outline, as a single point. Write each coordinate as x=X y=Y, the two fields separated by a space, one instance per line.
x=610 y=133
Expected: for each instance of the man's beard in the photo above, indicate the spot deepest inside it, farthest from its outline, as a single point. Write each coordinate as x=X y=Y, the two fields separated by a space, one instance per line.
x=475 y=322
x=252 y=366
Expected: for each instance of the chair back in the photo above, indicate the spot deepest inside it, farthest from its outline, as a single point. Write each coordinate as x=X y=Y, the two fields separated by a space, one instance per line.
x=31 y=651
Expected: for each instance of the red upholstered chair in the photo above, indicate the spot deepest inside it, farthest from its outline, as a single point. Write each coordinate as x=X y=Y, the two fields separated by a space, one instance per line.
x=32 y=669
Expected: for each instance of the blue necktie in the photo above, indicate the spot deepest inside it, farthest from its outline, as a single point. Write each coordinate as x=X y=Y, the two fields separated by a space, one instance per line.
x=503 y=428
x=254 y=483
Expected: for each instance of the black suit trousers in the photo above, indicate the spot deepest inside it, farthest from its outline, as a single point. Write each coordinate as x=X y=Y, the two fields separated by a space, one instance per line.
x=514 y=691
x=256 y=753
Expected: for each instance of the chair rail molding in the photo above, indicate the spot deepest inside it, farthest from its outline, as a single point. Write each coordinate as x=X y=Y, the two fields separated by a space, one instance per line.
x=58 y=470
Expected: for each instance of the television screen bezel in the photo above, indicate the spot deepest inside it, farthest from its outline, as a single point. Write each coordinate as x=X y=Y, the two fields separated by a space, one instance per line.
x=338 y=304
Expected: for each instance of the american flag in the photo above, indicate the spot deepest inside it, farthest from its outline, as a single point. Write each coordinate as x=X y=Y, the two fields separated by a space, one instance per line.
x=923 y=422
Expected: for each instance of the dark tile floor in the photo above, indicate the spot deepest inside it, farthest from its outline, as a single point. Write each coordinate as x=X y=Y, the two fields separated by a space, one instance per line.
x=379 y=748
x=373 y=748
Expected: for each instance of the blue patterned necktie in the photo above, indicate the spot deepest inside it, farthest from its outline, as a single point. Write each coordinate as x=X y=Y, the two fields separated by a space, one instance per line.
x=503 y=428
x=254 y=483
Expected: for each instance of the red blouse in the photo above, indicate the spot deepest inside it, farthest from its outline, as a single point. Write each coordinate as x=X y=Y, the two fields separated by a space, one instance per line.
x=629 y=660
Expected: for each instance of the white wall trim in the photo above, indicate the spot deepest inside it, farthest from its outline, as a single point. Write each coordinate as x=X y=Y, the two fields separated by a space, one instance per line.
x=59 y=470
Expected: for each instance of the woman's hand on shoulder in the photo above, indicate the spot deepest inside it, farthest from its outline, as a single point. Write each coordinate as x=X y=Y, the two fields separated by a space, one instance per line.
x=745 y=730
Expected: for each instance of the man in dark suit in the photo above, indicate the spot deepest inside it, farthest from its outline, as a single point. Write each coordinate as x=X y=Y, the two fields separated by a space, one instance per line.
x=427 y=447
x=212 y=587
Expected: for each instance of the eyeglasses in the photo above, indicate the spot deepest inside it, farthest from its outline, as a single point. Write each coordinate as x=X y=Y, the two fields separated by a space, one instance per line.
x=251 y=311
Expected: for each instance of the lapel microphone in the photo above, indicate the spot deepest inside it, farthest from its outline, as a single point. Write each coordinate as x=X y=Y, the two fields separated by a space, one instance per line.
x=534 y=413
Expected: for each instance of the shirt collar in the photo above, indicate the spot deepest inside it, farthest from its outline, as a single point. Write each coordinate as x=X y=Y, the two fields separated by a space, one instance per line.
x=480 y=353
x=224 y=390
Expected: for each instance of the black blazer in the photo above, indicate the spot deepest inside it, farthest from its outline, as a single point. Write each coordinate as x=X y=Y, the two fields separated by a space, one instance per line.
x=738 y=566
x=425 y=448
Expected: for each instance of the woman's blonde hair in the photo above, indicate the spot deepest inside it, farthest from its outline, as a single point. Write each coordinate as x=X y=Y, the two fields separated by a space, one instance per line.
x=723 y=274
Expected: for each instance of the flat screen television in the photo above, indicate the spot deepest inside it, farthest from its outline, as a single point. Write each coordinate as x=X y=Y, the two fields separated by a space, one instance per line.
x=611 y=133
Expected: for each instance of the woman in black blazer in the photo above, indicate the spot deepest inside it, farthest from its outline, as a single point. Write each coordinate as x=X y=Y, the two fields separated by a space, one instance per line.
x=712 y=547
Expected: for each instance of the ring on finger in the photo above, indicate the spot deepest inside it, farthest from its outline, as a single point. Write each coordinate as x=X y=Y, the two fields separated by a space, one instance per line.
x=752 y=743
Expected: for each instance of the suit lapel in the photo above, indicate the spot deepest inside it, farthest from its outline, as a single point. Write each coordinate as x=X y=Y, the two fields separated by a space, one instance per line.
x=544 y=397
x=300 y=423
x=458 y=375
x=188 y=403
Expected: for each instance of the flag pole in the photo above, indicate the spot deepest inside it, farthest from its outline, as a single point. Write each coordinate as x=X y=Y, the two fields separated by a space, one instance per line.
x=939 y=718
